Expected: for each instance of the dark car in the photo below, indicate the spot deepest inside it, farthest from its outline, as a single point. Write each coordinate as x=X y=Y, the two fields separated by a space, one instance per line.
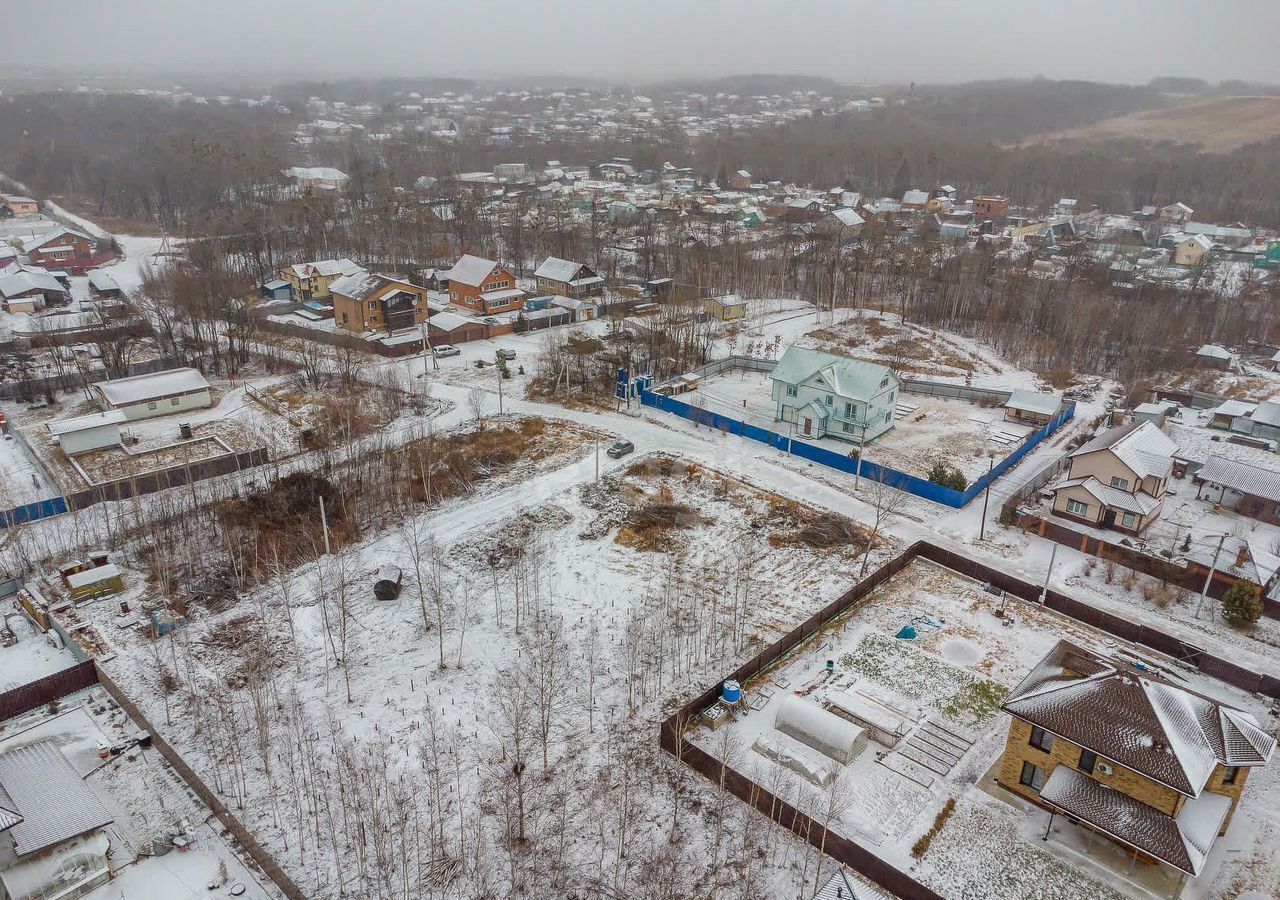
x=619 y=449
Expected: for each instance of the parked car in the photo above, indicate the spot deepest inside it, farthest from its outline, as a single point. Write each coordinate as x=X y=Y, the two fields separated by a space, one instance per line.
x=445 y=350
x=506 y=353
x=619 y=449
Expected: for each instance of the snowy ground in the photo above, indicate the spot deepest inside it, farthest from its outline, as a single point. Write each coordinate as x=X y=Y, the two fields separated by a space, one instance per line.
x=956 y=671
x=149 y=802
x=32 y=656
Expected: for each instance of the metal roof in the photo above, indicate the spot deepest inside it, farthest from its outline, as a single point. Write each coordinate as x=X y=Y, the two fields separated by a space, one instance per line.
x=1032 y=401
x=1238 y=476
x=851 y=378
x=54 y=802
x=1129 y=716
x=471 y=270
x=557 y=269
x=1141 y=446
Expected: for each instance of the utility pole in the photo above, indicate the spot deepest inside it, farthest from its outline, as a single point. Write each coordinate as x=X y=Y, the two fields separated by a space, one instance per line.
x=427 y=352
x=1044 y=591
x=499 y=368
x=1208 y=578
x=324 y=526
x=597 y=456
x=862 y=447
x=986 y=497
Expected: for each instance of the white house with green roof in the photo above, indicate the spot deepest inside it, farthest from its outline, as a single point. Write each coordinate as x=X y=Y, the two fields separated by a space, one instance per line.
x=826 y=395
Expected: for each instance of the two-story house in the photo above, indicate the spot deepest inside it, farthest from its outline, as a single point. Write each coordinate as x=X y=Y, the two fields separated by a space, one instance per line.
x=1118 y=480
x=483 y=286
x=311 y=280
x=825 y=395
x=565 y=278
x=367 y=302
x=1122 y=752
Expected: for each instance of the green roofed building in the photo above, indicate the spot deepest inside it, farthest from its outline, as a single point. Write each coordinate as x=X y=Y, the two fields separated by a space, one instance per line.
x=826 y=395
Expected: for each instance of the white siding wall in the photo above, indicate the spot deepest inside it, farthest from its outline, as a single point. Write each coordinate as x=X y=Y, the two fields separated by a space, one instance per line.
x=166 y=407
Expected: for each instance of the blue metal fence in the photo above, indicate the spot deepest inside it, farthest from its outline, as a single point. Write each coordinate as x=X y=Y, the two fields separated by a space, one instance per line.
x=873 y=471
x=31 y=512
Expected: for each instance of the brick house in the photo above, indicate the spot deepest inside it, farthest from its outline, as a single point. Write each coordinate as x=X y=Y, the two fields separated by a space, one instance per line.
x=62 y=248
x=990 y=206
x=740 y=180
x=19 y=206
x=367 y=302
x=565 y=278
x=1125 y=754
x=1119 y=479
x=483 y=286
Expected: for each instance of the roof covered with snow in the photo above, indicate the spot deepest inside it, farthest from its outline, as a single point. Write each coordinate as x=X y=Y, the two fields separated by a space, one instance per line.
x=1032 y=401
x=557 y=269
x=1131 y=717
x=1141 y=446
x=1138 y=502
x=1242 y=477
x=472 y=270
x=1214 y=351
x=1183 y=842
x=316 y=173
x=52 y=803
x=326 y=267
x=153 y=386
x=851 y=378
x=24 y=281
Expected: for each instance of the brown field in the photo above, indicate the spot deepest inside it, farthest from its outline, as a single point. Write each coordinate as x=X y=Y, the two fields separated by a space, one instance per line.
x=1216 y=126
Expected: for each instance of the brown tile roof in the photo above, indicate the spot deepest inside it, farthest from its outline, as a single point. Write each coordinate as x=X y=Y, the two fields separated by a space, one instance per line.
x=1131 y=717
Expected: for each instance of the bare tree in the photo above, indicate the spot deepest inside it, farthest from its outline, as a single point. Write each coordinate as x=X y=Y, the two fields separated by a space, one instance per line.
x=476 y=403
x=886 y=503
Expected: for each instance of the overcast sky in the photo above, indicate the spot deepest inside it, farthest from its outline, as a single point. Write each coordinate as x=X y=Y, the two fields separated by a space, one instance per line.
x=850 y=40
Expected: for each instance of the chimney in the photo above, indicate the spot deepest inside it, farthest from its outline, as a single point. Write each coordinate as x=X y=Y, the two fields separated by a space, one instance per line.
x=1242 y=555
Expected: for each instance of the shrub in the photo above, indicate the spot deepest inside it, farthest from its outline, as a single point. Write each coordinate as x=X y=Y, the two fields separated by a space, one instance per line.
x=1242 y=604
x=921 y=846
x=948 y=476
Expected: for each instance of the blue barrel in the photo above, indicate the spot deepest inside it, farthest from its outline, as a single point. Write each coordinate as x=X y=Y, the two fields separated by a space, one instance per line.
x=732 y=692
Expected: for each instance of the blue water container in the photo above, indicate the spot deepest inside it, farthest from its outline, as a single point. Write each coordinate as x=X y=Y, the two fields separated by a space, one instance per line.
x=732 y=692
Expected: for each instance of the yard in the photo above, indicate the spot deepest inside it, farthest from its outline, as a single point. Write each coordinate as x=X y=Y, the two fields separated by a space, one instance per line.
x=927 y=429
x=946 y=683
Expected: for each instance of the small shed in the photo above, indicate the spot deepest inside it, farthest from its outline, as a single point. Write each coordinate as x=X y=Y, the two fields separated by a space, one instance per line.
x=1155 y=413
x=819 y=729
x=94 y=582
x=87 y=433
x=277 y=290
x=1215 y=356
x=1030 y=406
x=155 y=394
x=726 y=308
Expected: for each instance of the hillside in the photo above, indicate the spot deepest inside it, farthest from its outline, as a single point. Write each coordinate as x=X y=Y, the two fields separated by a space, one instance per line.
x=1215 y=126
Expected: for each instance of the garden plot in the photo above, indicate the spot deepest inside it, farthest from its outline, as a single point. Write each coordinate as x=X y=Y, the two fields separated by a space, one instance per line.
x=640 y=584
x=929 y=702
x=928 y=430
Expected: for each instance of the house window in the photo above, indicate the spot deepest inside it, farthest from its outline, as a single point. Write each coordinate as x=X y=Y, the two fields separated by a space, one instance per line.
x=1076 y=508
x=1128 y=519
x=373 y=304
x=152 y=405
x=453 y=295
x=1088 y=759
x=848 y=427
x=891 y=396
x=791 y=392
x=1118 y=482
x=884 y=382
x=850 y=410
x=174 y=401
x=828 y=399
x=1230 y=775
x=1033 y=776
x=1041 y=739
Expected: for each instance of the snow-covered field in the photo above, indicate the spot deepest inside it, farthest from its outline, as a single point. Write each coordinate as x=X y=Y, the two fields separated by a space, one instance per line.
x=633 y=615
x=953 y=675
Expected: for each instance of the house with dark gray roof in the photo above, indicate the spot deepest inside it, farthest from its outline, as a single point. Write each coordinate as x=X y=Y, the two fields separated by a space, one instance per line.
x=1121 y=750
x=53 y=839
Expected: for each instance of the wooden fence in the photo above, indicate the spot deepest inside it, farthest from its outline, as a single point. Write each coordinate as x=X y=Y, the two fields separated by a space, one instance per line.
x=671 y=733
